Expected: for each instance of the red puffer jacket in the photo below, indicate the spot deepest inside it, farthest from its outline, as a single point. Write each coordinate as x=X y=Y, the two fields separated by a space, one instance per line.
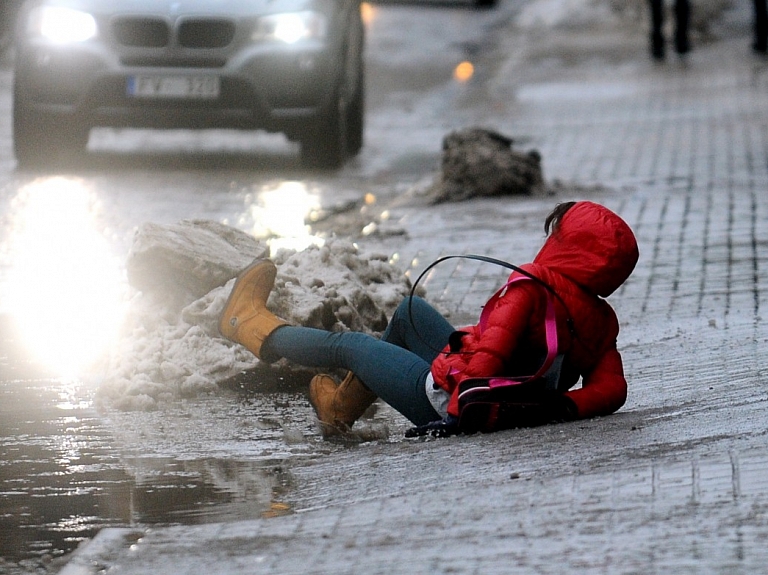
x=585 y=259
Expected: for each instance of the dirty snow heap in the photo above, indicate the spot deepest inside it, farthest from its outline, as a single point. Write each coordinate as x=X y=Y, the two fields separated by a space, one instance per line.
x=170 y=346
x=480 y=163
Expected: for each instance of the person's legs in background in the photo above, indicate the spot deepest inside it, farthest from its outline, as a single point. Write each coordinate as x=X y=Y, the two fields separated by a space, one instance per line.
x=760 y=42
x=682 y=21
x=657 y=29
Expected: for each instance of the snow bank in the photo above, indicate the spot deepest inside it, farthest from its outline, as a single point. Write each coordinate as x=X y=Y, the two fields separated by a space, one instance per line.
x=170 y=346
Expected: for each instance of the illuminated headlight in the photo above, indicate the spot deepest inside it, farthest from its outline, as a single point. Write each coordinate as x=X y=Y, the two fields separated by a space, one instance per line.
x=62 y=25
x=291 y=27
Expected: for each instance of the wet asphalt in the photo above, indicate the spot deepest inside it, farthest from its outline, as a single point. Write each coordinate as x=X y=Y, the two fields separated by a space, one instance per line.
x=675 y=481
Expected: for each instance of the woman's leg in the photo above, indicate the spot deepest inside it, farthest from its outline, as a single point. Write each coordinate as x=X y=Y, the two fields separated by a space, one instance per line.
x=395 y=374
x=418 y=327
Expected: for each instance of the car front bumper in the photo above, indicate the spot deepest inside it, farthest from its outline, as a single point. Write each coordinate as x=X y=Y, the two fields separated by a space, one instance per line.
x=260 y=87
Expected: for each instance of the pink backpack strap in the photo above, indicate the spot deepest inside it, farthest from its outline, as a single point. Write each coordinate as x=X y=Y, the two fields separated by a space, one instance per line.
x=550 y=326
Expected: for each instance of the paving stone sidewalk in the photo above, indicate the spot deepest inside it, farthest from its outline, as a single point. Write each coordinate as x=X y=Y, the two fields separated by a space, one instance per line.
x=677 y=480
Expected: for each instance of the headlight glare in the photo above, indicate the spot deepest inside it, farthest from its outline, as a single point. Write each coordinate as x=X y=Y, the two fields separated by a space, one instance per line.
x=291 y=27
x=62 y=25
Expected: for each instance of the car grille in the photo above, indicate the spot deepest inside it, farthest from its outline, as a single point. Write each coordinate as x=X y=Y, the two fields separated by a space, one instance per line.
x=206 y=33
x=145 y=32
x=156 y=33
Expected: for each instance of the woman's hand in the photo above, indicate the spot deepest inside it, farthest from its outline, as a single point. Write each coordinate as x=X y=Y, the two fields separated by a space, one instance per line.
x=441 y=428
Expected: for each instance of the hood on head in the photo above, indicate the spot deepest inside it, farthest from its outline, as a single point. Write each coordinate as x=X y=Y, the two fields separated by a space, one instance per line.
x=593 y=247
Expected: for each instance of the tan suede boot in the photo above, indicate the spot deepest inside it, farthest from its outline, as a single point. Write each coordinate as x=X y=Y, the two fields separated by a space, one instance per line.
x=338 y=406
x=246 y=319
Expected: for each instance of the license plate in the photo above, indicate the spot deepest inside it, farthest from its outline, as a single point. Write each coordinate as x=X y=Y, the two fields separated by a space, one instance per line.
x=191 y=87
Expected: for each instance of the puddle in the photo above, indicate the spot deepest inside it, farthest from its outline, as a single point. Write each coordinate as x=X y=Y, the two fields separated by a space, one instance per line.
x=69 y=468
x=63 y=479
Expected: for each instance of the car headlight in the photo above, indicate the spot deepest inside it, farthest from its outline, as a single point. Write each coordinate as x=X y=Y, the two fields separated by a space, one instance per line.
x=62 y=25
x=291 y=27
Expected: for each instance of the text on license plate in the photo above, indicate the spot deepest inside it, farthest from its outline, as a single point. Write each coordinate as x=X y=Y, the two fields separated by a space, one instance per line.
x=196 y=87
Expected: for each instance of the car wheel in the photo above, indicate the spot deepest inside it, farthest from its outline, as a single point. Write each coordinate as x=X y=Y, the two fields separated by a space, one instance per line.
x=324 y=145
x=41 y=140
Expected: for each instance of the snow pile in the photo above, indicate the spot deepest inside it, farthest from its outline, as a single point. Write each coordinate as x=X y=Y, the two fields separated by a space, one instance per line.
x=170 y=346
x=482 y=163
x=336 y=288
x=177 y=264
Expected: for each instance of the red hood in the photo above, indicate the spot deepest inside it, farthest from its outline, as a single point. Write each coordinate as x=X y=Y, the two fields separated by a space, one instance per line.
x=593 y=247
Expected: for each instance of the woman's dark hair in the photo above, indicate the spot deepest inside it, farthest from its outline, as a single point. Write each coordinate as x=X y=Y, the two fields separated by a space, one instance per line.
x=553 y=219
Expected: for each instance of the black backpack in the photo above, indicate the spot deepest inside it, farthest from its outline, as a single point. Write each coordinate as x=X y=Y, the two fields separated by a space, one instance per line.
x=503 y=402
x=489 y=404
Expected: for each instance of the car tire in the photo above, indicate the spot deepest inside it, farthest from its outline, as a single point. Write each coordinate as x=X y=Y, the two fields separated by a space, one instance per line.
x=42 y=140
x=324 y=145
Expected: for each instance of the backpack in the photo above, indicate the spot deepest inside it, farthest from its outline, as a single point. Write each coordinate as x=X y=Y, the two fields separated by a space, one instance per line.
x=502 y=402
x=495 y=403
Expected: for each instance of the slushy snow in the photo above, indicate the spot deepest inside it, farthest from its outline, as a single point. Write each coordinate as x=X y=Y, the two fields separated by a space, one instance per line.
x=169 y=351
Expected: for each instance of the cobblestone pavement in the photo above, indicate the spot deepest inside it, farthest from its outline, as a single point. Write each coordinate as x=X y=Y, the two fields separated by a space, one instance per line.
x=674 y=482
